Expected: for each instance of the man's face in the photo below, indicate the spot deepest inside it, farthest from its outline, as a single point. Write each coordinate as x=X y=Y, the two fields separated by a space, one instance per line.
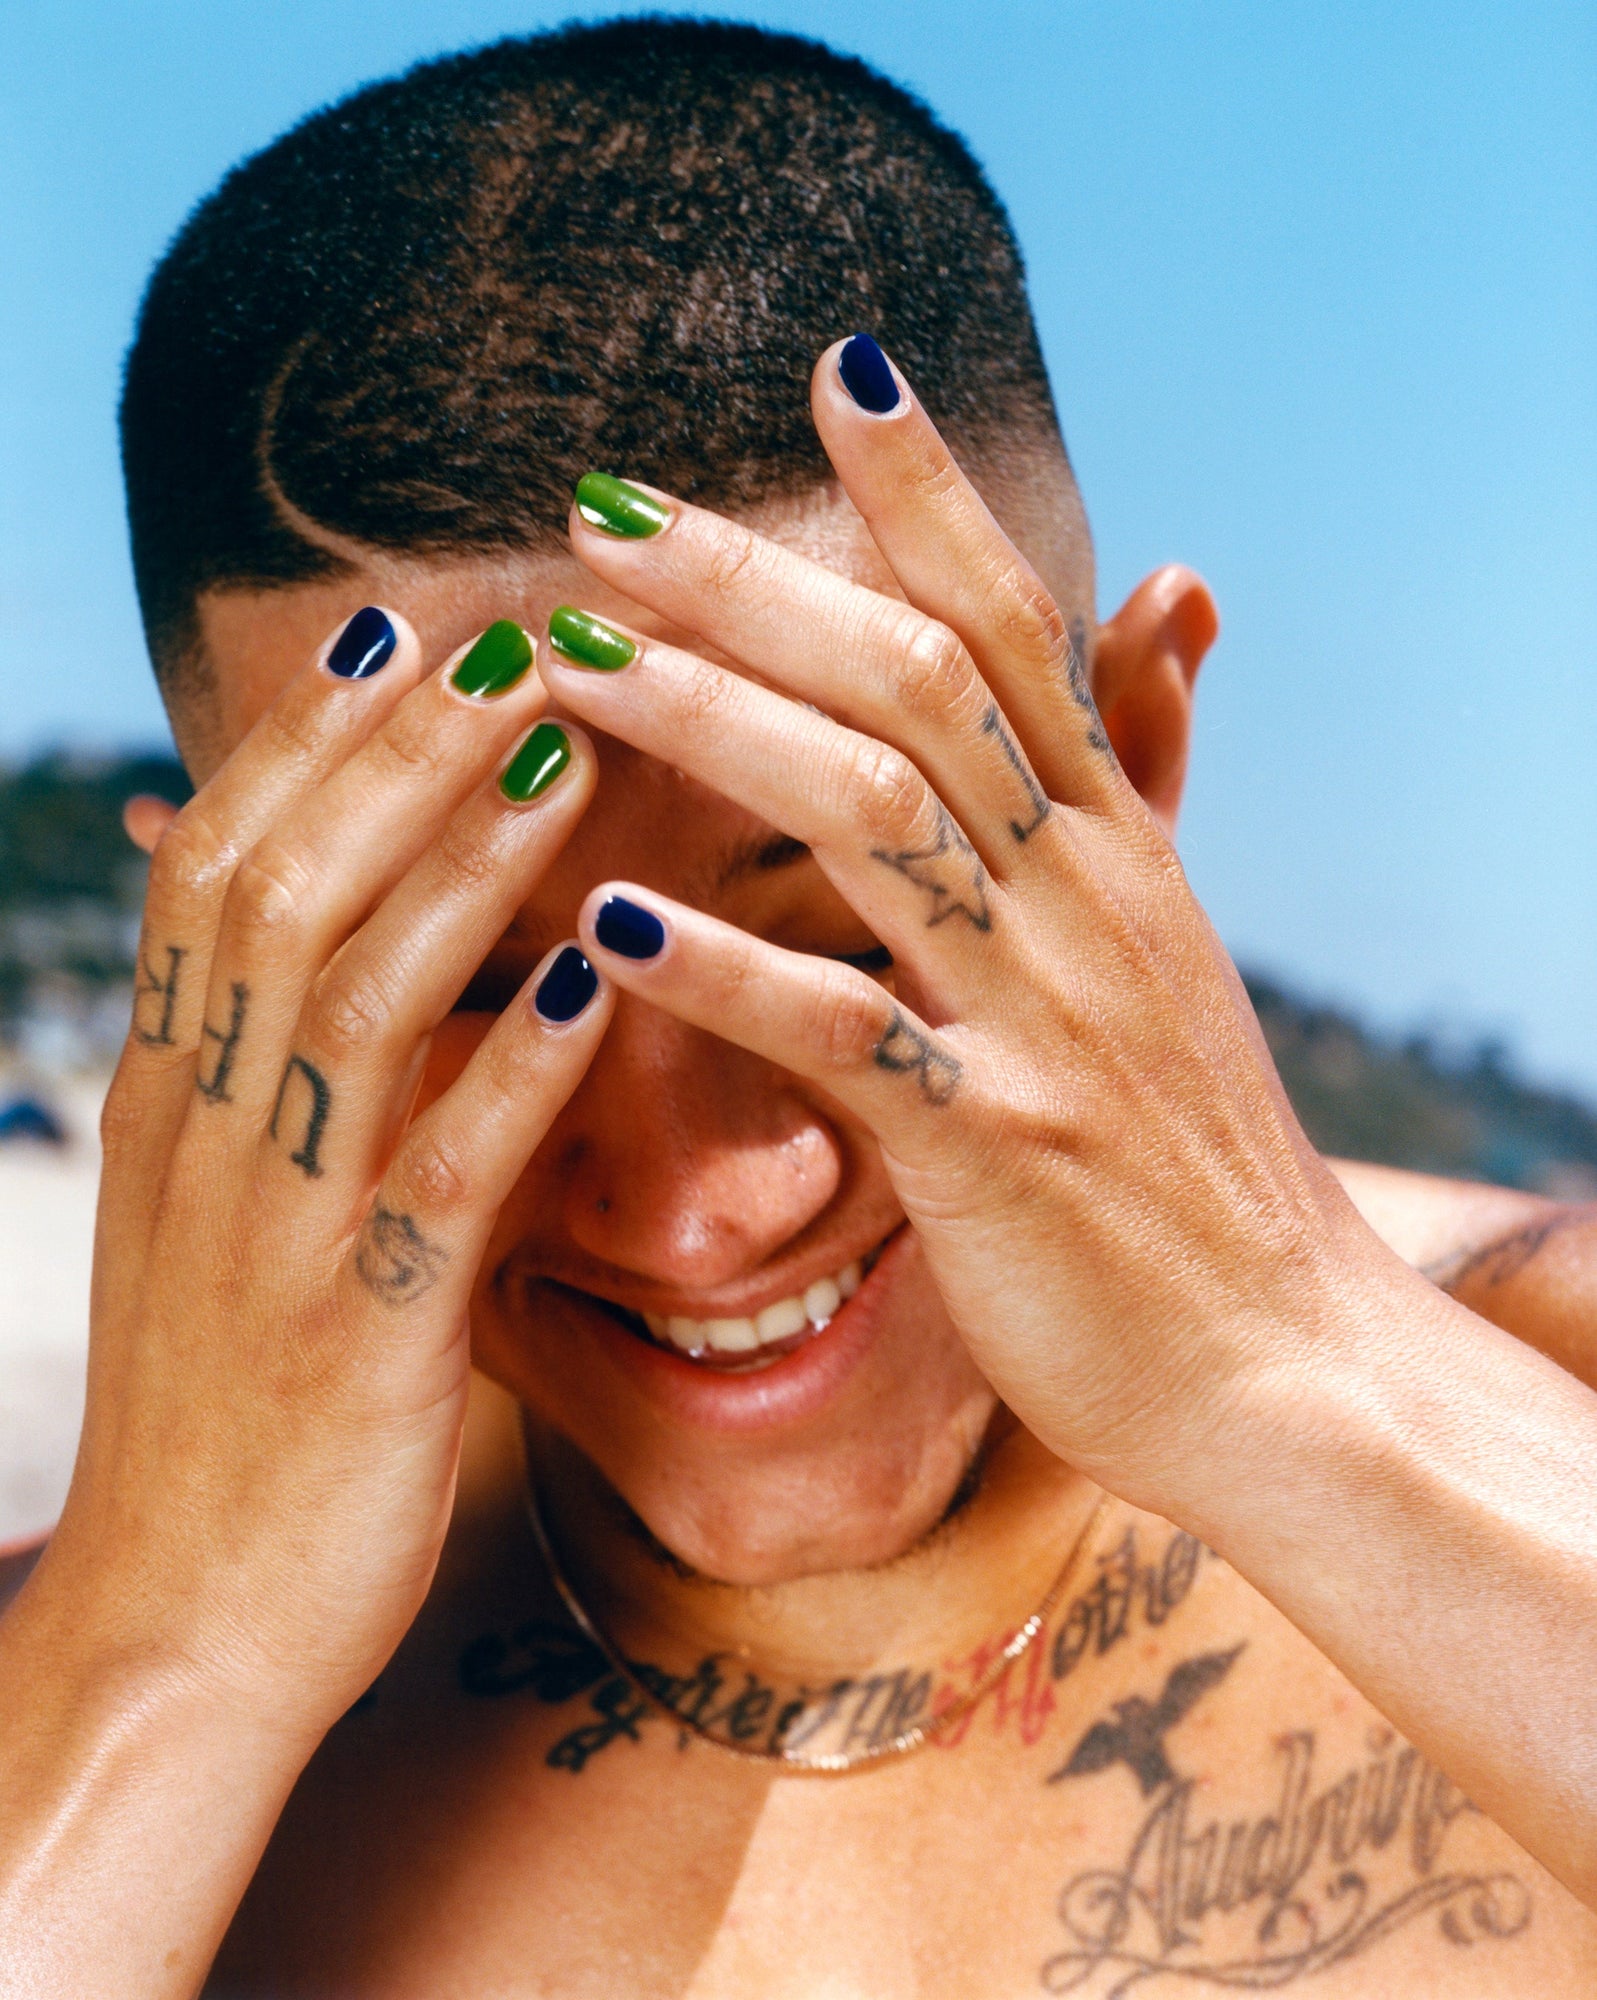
x=685 y=1177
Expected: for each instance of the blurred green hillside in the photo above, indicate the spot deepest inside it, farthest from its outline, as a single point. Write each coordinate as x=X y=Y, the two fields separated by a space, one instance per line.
x=70 y=887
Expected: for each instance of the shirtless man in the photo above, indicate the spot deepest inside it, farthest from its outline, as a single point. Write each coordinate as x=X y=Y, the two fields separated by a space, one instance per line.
x=968 y=1506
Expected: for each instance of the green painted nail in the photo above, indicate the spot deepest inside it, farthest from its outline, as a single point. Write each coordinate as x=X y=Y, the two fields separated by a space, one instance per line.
x=497 y=661
x=536 y=765
x=618 y=508
x=588 y=643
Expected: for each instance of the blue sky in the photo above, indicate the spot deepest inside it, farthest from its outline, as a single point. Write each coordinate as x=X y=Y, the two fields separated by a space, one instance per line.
x=1318 y=289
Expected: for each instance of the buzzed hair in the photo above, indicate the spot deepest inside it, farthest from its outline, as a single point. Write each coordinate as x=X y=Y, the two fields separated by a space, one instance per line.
x=420 y=316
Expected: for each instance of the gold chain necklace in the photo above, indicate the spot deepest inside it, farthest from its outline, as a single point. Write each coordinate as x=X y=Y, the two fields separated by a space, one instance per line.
x=825 y=1766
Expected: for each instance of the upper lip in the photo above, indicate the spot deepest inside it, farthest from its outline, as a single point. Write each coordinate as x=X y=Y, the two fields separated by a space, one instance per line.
x=742 y=1300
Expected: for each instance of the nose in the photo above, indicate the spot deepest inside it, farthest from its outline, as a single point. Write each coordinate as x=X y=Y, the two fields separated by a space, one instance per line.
x=691 y=1162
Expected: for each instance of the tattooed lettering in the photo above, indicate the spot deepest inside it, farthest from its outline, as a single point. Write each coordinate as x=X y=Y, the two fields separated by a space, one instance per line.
x=1264 y=1900
x=214 y=1086
x=151 y=986
x=993 y=724
x=1136 y=1737
x=905 y=1050
x=394 y=1260
x=720 y=1697
x=308 y=1153
x=949 y=870
x=1102 y=1615
x=1081 y=686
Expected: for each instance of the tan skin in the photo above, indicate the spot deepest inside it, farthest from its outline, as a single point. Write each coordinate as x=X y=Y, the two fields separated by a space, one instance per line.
x=1197 y=1321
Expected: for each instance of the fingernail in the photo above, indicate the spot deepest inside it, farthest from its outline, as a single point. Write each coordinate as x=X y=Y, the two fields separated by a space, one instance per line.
x=536 y=765
x=567 y=987
x=627 y=929
x=497 y=661
x=619 y=509
x=587 y=643
x=364 y=647
x=866 y=375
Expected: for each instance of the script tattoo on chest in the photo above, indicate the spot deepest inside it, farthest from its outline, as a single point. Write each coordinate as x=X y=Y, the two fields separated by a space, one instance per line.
x=1262 y=1900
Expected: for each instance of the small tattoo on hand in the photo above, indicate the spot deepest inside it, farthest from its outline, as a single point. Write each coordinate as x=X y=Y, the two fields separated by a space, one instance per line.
x=308 y=1153
x=151 y=985
x=395 y=1261
x=1041 y=805
x=214 y=1086
x=905 y=1050
x=1081 y=687
x=949 y=869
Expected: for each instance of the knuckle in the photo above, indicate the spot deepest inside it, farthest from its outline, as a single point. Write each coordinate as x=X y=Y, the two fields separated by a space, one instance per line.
x=847 y=1021
x=473 y=857
x=887 y=794
x=434 y=1180
x=735 y=563
x=1029 y=622
x=265 y=898
x=935 y=671
x=349 y=1015
x=705 y=695
x=412 y=748
x=189 y=858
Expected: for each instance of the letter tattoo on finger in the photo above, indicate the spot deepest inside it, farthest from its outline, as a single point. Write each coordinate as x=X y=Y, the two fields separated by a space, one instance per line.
x=1081 y=687
x=155 y=1030
x=949 y=869
x=1041 y=805
x=906 y=1051
x=395 y=1261
x=214 y=1087
x=308 y=1154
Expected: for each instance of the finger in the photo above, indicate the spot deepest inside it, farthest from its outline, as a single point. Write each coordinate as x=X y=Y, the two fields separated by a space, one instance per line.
x=355 y=680
x=145 y=818
x=323 y=866
x=821 y=1020
x=348 y=1075
x=872 y=661
x=431 y=1219
x=877 y=829
x=957 y=565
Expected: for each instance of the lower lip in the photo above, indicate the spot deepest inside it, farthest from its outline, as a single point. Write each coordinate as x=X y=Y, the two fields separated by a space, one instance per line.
x=784 y=1394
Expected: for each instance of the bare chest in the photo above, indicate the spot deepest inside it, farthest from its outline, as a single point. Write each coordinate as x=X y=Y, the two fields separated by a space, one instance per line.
x=1170 y=1793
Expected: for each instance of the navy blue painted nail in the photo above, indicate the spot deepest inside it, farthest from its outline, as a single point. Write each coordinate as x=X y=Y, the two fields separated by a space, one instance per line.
x=866 y=375
x=622 y=927
x=364 y=647
x=567 y=987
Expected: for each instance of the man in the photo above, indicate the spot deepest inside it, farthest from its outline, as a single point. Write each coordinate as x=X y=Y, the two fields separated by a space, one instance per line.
x=821 y=1097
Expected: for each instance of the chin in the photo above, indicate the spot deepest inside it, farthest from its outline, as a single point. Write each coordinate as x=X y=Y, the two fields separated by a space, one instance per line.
x=841 y=1454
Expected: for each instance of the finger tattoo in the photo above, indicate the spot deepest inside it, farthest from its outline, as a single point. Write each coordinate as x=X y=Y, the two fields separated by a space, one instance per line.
x=214 y=1086
x=316 y=1099
x=395 y=1261
x=1081 y=687
x=950 y=871
x=906 y=1051
x=151 y=986
x=1041 y=805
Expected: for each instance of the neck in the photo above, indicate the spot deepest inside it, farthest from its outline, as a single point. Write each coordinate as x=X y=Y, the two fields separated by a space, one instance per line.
x=828 y=1667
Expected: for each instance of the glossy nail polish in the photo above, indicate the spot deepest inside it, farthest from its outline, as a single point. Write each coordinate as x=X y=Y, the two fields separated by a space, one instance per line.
x=567 y=987
x=496 y=662
x=628 y=930
x=587 y=643
x=619 y=509
x=364 y=647
x=536 y=765
x=866 y=375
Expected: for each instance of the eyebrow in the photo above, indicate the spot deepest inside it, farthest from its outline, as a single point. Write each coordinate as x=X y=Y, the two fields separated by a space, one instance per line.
x=759 y=857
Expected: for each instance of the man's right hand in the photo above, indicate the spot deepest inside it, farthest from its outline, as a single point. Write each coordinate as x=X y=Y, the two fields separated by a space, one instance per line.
x=279 y=1357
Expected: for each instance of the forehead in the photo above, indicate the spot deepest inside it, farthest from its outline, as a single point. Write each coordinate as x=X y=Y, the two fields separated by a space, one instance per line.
x=255 y=641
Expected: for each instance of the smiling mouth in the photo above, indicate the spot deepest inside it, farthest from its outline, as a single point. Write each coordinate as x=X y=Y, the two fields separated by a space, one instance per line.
x=737 y=1346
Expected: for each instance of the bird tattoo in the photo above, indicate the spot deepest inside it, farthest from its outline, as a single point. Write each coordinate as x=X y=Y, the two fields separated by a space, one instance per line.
x=1136 y=1737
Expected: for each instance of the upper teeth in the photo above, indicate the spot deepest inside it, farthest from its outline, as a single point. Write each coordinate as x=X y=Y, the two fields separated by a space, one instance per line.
x=814 y=1306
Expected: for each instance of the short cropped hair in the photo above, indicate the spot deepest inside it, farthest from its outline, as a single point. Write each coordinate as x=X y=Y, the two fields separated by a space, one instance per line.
x=421 y=315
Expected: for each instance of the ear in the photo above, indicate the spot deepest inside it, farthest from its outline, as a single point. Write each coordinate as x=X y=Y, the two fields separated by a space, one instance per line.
x=1144 y=663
